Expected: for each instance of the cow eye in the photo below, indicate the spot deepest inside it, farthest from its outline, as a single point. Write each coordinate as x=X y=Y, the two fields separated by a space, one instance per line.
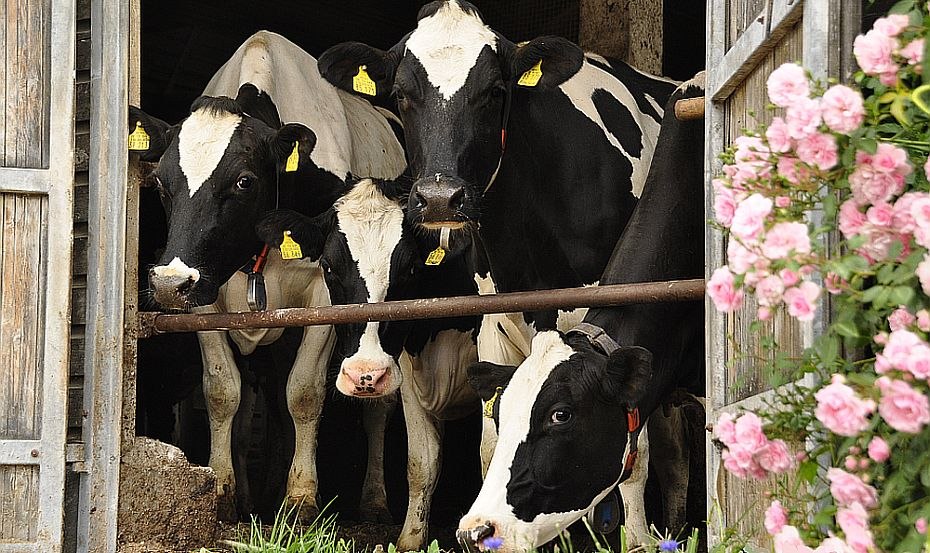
x=561 y=416
x=245 y=182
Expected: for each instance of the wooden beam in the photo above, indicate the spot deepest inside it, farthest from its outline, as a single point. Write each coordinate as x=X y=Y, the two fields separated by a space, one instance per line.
x=690 y=109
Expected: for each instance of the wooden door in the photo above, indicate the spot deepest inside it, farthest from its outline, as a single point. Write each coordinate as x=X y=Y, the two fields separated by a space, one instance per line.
x=747 y=39
x=36 y=174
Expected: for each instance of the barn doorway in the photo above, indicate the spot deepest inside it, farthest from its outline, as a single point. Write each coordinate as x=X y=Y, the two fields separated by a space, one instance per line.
x=183 y=44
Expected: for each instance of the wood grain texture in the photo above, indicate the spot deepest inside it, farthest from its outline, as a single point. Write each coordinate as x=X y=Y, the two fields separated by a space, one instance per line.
x=604 y=27
x=21 y=292
x=25 y=87
x=19 y=501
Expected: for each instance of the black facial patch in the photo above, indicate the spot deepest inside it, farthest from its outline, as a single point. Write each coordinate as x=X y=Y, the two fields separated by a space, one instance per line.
x=619 y=121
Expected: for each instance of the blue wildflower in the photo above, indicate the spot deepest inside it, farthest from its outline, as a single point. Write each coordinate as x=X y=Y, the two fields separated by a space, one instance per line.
x=492 y=543
x=668 y=545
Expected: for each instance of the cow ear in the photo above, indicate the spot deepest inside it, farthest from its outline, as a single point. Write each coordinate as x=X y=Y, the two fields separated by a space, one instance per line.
x=485 y=378
x=160 y=134
x=284 y=142
x=558 y=59
x=629 y=370
x=359 y=68
x=258 y=104
x=308 y=232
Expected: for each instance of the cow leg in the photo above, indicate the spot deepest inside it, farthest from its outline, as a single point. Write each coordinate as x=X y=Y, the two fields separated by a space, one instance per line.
x=242 y=439
x=633 y=492
x=668 y=434
x=375 y=416
x=306 y=390
x=424 y=441
x=221 y=391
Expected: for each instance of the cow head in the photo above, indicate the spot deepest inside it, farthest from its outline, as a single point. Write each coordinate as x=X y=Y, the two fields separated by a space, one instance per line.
x=562 y=434
x=368 y=255
x=218 y=172
x=451 y=77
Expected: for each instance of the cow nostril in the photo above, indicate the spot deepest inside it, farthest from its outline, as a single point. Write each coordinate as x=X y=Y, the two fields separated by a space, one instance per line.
x=486 y=530
x=185 y=286
x=458 y=199
x=421 y=201
x=471 y=538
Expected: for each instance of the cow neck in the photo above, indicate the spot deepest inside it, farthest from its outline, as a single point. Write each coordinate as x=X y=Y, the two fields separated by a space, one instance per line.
x=505 y=116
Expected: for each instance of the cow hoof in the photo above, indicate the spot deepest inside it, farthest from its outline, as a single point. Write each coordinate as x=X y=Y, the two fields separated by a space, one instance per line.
x=226 y=508
x=407 y=543
x=375 y=513
x=307 y=511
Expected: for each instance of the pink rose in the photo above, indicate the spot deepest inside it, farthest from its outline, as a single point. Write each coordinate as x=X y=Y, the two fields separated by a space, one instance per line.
x=921 y=525
x=854 y=522
x=879 y=450
x=740 y=462
x=792 y=170
x=775 y=458
x=923 y=274
x=802 y=300
x=920 y=215
x=923 y=320
x=788 y=540
x=850 y=219
x=784 y=238
x=833 y=283
x=803 y=118
x=913 y=52
x=870 y=186
x=847 y=489
x=881 y=214
x=782 y=201
x=873 y=52
x=787 y=84
x=750 y=215
x=903 y=220
x=927 y=168
x=776 y=517
x=901 y=319
x=818 y=149
x=840 y=410
x=724 y=204
x=891 y=159
x=740 y=258
x=843 y=109
x=721 y=290
x=748 y=432
x=725 y=429
x=769 y=291
x=777 y=135
x=903 y=408
x=833 y=545
x=891 y=25
x=750 y=149
x=788 y=277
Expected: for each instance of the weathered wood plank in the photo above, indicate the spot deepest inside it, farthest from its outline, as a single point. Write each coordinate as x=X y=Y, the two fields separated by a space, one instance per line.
x=20 y=291
x=81 y=151
x=79 y=259
x=82 y=53
x=19 y=503
x=26 y=90
x=80 y=202
x=77 y=356
x=82 y=101
x=79 y=305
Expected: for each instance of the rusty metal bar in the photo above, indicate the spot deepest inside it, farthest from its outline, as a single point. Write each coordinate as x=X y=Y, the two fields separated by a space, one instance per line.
x=565 y=298
x=690 y=109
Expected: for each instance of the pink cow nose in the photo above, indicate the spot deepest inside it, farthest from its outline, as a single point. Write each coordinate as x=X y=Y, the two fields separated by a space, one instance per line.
x=366 y=377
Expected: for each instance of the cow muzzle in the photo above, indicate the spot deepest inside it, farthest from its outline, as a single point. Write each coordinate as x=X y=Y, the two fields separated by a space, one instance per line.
x=472 y=538
x=440 y=201
x=173 y=284
x=366 y=378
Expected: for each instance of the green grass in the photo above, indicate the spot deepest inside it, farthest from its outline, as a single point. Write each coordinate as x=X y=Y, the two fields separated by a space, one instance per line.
x=286 y=535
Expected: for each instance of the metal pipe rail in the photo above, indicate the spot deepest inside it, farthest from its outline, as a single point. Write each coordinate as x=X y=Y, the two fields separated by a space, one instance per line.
x=151 y=323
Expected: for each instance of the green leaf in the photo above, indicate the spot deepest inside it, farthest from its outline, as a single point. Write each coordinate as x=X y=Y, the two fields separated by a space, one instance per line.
x=899 y=111
x=846 y=328
x=433 y=547
x=902 y=7
x=901 y=295
x=870 y=295
x=868 y=145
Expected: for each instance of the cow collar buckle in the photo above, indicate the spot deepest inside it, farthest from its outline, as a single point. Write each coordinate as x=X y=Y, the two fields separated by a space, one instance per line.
x=598 y=337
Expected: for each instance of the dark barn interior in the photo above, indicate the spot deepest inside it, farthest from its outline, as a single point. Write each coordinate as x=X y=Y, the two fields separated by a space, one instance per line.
x=183 y=44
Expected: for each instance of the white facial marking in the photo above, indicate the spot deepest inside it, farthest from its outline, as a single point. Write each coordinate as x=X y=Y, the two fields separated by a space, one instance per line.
x=447 y=44
x=177 y=268
x=580 y=89
x=372 y=225
x=203 y=139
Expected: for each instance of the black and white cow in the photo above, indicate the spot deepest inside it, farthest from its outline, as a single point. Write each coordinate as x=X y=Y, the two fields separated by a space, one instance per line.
x=218 y=172
x=370 y=253
x=568 y=415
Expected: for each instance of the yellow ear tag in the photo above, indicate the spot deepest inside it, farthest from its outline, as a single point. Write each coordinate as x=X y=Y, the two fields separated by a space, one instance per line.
x=139 y=139
x=436 y=256
x=532 y=76
x=292 y=160
x=289 y=248
x=489 y=404
x=363 y=83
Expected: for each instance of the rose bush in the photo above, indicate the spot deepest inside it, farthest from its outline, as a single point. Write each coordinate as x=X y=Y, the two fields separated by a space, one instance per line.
x=850 y=162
